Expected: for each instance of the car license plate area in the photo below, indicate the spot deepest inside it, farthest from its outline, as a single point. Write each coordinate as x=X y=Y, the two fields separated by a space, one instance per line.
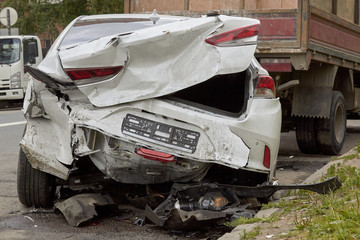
x=166 y=135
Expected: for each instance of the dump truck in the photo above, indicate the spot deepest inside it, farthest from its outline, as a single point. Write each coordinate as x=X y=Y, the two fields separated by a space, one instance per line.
x=310 y=47
x=17 y=51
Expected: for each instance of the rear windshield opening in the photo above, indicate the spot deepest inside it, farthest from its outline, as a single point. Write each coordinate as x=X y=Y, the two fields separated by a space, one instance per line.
x=225 y=94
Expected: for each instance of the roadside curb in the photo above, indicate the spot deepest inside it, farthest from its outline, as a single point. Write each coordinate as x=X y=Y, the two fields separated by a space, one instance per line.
x=316 y=176
x=235 y=233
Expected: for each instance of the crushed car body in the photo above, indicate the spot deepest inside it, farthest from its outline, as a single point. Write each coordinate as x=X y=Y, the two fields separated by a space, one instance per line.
x=174 y=100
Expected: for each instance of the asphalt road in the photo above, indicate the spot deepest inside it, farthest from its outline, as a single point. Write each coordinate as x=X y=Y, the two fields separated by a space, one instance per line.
x=294 y=166
x=18 y=222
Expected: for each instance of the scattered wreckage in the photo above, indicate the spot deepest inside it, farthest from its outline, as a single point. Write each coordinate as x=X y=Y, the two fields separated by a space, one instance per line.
x=154 y=100
x=188 y=206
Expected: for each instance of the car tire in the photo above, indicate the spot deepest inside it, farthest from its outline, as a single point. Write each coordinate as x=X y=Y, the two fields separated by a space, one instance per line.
x=331 y=132
x=306 y=135
x=34 y=187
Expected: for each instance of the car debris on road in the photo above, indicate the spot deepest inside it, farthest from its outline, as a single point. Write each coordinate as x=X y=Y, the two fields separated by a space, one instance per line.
x=190 y=206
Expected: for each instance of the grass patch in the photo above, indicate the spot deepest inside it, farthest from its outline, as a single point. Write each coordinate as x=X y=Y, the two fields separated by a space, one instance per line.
x=245 y=235
x=335 y=215
x=243 y=220
x=332 y=216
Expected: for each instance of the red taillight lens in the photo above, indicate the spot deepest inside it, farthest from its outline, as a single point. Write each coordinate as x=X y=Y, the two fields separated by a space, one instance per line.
x=103 y=73
x=265 y=87
x=155 y=155
x=267 y=157
x=231 y=38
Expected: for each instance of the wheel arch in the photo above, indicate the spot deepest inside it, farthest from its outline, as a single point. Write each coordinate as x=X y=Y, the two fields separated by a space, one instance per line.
x=344 y=83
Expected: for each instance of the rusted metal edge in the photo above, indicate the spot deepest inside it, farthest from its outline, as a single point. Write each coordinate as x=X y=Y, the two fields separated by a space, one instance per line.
x=333 y=56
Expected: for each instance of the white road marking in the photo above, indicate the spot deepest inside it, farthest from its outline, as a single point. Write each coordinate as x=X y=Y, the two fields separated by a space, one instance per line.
x=12 y=124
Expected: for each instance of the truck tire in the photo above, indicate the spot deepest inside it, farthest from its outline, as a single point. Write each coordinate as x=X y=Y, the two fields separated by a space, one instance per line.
x=306 y=135
x=331 y=132
x=34 y=187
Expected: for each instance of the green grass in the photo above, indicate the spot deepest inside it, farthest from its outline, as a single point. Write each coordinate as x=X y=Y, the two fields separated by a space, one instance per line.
x=245 y=235
x=332 y=216
x=243 y=220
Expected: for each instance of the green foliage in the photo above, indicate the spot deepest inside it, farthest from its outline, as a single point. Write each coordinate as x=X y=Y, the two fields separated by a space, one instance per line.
x=243 y=220
x=103 y=7
x=335 y=215
x=332 y=216
x=251 y=234
x=44 y=18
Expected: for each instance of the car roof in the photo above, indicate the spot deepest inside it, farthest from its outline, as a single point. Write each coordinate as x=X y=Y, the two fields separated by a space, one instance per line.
x=122 y=16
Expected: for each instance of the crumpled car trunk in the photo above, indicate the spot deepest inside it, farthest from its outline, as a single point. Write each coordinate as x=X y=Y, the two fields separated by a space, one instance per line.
x=155 y=61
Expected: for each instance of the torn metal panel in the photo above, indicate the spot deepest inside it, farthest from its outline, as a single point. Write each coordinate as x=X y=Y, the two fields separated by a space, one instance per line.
x=193 y=206
x=42 y=162
x=181 y=220
x=226 y=148
x=157 y=60
x=47 y=139
x=81 y=208
x=43 y=144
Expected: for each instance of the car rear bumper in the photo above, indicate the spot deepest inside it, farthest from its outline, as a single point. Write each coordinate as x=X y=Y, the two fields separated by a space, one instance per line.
x=233 y=142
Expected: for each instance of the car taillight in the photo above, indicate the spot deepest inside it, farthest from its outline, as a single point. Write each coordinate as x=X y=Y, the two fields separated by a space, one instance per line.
x=155 y=155
x=235 y=37
x=90 y=75
x=265 y=87
x=267 y=157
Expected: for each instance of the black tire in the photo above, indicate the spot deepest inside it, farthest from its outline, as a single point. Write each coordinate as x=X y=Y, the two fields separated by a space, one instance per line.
x=306 y=135
x=331 y=132
x=35 y=188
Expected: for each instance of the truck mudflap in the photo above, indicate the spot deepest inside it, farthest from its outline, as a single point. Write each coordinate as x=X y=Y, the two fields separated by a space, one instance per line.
x=193 y=206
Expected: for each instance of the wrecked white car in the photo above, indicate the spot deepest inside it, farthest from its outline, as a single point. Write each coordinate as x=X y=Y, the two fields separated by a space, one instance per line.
x=149 y=100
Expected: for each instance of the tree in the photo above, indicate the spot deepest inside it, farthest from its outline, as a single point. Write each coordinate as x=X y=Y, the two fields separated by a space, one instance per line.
x=103 y=7
x=41 y=17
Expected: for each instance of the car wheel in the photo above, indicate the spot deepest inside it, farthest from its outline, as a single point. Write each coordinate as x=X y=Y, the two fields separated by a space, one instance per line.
x=306 y=135
x=35 y=188
x=331 y=132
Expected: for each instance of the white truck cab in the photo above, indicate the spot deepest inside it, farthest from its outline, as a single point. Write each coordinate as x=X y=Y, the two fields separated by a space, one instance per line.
x=15 y=53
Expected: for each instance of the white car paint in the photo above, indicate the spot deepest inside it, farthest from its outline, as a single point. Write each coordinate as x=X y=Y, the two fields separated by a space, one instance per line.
x=157 y=61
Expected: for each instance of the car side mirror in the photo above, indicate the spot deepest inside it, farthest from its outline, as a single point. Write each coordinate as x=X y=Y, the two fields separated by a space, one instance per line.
x=32 y=60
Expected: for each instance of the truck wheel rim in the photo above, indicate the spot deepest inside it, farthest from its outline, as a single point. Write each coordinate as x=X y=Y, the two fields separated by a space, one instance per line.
x=339 y=123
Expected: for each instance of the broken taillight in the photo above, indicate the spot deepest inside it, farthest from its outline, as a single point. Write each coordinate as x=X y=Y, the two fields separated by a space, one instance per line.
x=155 y=155
x=265 y=87
x=90 y=75
x=267 y=157
x=235 y=37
